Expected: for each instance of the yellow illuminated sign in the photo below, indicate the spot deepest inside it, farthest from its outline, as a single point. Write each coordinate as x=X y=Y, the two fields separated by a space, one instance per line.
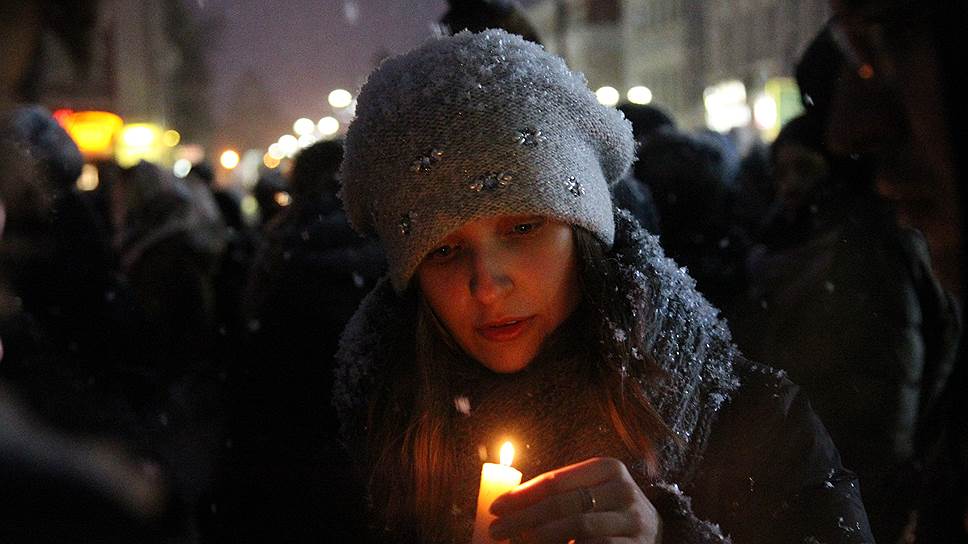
x=140 y=141
x=786 y=96
x=93 y=131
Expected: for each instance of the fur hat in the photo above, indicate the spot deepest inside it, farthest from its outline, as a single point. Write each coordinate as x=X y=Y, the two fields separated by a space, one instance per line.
x=476 y=125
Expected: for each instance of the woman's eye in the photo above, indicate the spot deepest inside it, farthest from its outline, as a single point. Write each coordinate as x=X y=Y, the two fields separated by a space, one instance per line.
x=524 y=228
x=442 y=253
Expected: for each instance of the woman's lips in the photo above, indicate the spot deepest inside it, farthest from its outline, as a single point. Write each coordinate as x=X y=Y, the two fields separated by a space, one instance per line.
x=506 y=330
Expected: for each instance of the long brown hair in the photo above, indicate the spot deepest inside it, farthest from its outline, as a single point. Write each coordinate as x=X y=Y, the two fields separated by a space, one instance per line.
x=412 y=472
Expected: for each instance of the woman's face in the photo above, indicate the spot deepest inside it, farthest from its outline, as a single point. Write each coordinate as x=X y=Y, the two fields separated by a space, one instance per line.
x=501 y=285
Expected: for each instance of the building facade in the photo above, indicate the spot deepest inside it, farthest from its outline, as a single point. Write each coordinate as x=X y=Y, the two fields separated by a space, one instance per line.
x=680 y=48
x=130 y=69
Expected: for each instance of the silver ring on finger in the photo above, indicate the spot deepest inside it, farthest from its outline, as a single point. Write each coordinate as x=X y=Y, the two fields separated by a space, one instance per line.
x=588 y=502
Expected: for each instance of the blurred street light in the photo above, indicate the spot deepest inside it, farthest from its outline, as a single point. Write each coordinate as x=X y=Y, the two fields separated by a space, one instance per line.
x=306 y=140
x=726 y=105
x=607 y=95
x=765 y=112
x=289 y=144
x=283 y=199
x=340 y=98
x=171 y=138
x=250 y=207
x=88 y=180
x=276 y=151
x=181 y=168
x=229 y=159
x=138 y=135
x=270 y=161
x=639 y=95
x=328 y=126
x=303 y=126
x=140 y=142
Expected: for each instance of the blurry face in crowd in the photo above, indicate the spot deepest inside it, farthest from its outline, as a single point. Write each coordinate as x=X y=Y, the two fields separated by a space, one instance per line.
x=798 y=170
x=501 y=285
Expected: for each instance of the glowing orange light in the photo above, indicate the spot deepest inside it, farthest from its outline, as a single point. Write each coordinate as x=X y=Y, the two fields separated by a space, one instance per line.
x=283 y=199
x=63 y=116
x=270 y=161
x=229 y=159
x=866 y=71
x=93 y=131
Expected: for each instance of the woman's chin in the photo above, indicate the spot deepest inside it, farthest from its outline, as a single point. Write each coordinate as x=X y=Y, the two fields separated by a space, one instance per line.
x=504 y=362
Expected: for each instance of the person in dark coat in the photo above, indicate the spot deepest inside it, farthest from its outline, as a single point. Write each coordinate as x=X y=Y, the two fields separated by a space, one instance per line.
x=912 y=54
x=692 y=181
x=272 y=194
x=521 y=305
x=846 y=301
x=631 y=193
x=306 y=281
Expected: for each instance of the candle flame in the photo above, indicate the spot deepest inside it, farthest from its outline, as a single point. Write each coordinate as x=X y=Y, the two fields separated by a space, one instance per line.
x=507 y=454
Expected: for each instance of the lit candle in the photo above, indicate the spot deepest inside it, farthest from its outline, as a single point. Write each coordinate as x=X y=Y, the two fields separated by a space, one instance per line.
x=496 y=480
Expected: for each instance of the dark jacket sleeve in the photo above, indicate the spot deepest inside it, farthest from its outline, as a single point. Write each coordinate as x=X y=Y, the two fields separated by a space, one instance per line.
x=771 y=473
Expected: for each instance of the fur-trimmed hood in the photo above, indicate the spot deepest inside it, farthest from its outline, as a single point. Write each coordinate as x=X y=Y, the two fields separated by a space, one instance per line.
x=688 y=340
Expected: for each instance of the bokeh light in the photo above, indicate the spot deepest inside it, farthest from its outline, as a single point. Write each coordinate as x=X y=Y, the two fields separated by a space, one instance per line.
x=229 y=159
x=303 y=126
x=88 y=180
x=340 y=98
x=328 y=126
x=171 y=138
x=607 y=95
x=639 y=95
x=181 y=168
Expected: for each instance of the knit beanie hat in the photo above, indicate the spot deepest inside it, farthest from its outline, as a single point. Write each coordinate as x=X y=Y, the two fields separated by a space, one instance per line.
x=477 y=125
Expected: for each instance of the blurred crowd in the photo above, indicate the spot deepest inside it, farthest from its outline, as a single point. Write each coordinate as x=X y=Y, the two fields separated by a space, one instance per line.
x=166 y=363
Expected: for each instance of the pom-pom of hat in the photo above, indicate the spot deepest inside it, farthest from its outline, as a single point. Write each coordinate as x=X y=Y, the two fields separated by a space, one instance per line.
x=476 y=125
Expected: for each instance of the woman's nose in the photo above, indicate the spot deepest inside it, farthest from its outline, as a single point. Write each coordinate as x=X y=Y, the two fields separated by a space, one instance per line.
x=489 y=279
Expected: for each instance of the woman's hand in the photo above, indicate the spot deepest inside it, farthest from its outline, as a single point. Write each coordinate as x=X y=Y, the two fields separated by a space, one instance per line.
x=593 y=501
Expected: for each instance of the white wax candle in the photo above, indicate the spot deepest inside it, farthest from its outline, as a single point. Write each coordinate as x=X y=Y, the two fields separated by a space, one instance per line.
x=496 y=480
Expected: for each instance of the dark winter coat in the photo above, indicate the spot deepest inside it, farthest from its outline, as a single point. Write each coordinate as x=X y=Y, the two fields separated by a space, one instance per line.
x=692 y=179
x=632 y=195
x=856 y=316
x=305 y=283
x=749 y=459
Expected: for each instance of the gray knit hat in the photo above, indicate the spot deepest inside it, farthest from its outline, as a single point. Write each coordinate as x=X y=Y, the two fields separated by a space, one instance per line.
x=476 y=125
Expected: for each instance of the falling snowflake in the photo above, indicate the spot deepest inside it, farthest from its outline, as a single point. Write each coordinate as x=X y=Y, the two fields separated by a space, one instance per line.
x=463 y=405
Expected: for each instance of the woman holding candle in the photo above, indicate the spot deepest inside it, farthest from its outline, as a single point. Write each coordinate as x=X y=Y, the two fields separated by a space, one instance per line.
x=521 y=306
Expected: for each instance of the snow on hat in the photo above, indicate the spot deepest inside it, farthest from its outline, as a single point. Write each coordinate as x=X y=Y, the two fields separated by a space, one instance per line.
x=477 y=125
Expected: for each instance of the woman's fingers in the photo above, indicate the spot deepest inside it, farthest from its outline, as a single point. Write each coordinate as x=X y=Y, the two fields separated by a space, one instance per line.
x=610 y=497
x=591 y=525
x=589 y=501
x=585 y=474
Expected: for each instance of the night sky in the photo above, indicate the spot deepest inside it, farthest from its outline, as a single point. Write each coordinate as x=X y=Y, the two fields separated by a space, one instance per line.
x=305 y=48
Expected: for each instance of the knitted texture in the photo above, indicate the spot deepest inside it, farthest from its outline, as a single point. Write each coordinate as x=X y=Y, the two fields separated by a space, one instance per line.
x=476 y=125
